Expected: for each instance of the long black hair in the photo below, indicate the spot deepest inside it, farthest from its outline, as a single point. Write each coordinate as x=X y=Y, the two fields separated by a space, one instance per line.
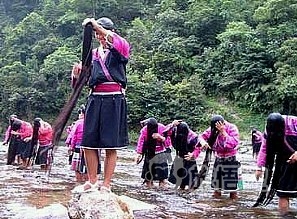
x=64 y=115
x=275 y=142
x=181 y=138
x=275 y=136
x=152 y=127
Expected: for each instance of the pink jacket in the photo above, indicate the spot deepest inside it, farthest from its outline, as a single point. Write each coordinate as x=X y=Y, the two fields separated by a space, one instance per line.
x=223 y=146
x=77 y=133
x=69 y=136
x=290 y=129
x=160 y=147
x=26 y=130
x=45 y=134
x=118 y=43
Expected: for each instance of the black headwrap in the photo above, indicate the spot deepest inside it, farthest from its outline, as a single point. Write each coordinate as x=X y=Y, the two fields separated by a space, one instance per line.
x=16 y=125
x=106 y=23
x=11 y=118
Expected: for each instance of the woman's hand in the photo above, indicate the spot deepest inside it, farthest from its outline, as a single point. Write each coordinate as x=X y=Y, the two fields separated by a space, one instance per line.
x=14 y=132
x=137 y=158
x=176 y=122
x=221 y=128
x=258 y=174
x=189 y=156
x=88 y=20
x=76 y=70
x=293 y=158
x=27 y=139
x=70 y=151
x=158 y=136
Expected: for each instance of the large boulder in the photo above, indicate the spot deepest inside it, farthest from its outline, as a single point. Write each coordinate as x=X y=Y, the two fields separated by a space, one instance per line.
x=98 y=204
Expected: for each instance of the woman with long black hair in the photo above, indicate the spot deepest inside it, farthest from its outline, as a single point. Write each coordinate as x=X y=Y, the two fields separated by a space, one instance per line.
x=152 y=146
x=278 y=154
x=222 y=138
x=184 y=140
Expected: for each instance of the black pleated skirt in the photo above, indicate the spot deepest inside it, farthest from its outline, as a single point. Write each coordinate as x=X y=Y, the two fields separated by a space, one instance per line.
x=105 y=125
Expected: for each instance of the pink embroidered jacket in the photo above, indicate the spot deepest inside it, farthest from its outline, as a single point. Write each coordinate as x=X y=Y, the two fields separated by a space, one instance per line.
x=69 y=136
x=77 y=133
x=26 y=130
x=223 y=146
x=160 y=147
x=45 y=134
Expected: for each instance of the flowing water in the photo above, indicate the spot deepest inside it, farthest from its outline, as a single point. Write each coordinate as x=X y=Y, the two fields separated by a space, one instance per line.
x=21 y=190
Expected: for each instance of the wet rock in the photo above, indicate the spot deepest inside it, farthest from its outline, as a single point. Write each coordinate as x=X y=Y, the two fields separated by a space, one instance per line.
x=98 y=204
x=54 y=211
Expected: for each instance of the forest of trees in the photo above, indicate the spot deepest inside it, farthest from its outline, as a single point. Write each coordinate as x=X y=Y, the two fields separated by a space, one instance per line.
x=184 y=52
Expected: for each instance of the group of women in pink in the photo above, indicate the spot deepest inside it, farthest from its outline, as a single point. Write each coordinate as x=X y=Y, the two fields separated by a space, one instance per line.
x=28 y=143
x=155 y=139
x=277 y=156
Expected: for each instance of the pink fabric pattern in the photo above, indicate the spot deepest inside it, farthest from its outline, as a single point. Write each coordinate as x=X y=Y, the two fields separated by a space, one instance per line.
x=77 y=133
x=26 y=130
x=69 y=136
x=121 y=45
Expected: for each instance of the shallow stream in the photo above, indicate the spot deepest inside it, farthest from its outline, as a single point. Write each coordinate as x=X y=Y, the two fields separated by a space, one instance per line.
x=21 y=190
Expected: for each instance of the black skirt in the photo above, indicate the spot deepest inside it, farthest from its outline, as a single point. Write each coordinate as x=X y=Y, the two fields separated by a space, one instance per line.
x=287 y=186
x=105 y=125
x=155 y=168
x=12 y=149
x=21 y=148
x=26 y=150
x=288 y=181
x=183 y=172
x=44 y=155
x=225 y=174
